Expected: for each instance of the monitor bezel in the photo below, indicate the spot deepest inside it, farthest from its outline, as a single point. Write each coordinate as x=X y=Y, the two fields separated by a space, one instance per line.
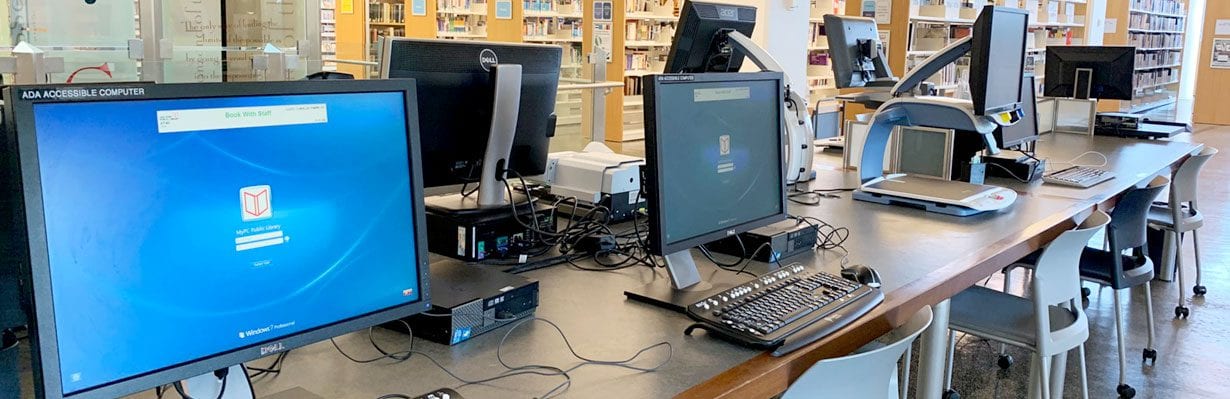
x=690 y=23
x=654 y=184
x=1062 y=86
x=980 y=53
x=1029 y=98
x=21 y=141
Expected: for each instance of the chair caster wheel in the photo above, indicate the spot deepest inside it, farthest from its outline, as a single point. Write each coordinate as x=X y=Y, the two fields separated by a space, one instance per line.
x=951 y=394
x=1150 y=356
x=1181 y=312
x=1085 y=292
x=1126 y=391
x=1005 y=361
x=1200 y=290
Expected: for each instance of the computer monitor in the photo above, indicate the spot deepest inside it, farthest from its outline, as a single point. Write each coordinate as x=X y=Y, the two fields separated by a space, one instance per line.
x=1085 y=72
x=997 y=59
x=1025 y=130
x=924 y=151
x=700 y=43
x=857 y=57
x=173 y=230
x=705 y=138
x=456 y=84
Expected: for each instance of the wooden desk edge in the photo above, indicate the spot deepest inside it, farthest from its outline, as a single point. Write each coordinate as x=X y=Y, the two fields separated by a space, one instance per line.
x=764 y=375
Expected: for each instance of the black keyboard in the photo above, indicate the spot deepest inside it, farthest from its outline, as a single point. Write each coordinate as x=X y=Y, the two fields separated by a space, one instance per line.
x=785 y=309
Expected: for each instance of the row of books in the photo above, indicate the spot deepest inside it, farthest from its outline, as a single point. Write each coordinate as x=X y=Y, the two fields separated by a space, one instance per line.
x=552 y=28
x=1155 y=22
x=816 y=37
x=1155 y=77
x=459 y=24
x=649 y=30
x=1157 y=58
x=1164 y=6
x=656 y=7
x=1155 y=40
x=374 y=34
x=461 y=4
x=644 y=61
x=633 y=86
x=387 y=13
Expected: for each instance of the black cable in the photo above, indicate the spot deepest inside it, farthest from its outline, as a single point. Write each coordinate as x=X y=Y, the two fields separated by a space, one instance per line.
x=533 y=369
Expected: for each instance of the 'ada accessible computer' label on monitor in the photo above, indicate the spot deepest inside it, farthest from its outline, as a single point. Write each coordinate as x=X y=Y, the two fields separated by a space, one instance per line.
x=82 y=93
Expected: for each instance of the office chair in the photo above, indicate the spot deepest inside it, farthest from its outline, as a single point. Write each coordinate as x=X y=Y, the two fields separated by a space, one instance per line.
x=1051 y=322
x=1112 y=268
x=1180 y=215
x=873 y=366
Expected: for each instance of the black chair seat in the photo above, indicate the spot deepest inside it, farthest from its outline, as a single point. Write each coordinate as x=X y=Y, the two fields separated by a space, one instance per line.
x=1098 y=266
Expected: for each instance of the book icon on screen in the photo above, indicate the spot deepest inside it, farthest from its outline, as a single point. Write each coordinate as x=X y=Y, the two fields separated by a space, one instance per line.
x=255 y=203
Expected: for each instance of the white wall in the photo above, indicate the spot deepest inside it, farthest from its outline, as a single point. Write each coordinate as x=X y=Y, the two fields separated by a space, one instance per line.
x=1095 y=10
x=782 y=30
x=1191 y=50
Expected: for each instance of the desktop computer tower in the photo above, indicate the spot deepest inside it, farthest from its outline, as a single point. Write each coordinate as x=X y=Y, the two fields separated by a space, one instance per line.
x=467 y=301
x=486 y=234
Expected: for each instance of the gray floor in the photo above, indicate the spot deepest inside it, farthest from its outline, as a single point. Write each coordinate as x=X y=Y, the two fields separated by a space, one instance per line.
x=1193 y=355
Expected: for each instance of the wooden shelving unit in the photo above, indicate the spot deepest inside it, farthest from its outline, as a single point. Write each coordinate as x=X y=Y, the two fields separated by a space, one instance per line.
x=1155 y=28
x=933 y=24
x=649 y=27
x=821 y=83
x=328 y=32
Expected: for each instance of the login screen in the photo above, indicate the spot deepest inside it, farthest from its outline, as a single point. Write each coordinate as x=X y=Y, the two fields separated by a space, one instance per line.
x=179 y=229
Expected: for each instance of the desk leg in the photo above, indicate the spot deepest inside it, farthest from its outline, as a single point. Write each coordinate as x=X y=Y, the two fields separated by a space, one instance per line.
x=934 y=350
x=1166 y=273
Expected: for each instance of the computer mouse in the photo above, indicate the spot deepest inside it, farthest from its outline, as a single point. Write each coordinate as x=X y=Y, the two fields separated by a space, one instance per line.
x=863 y=274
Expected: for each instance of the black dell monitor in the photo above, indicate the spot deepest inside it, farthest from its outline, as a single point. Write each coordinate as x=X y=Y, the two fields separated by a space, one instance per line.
x=700 y=43
x=1025 y=130
x=1085 y=72
x=705 y=139
x=997 y=59
x=457 y=87
x=176 y=230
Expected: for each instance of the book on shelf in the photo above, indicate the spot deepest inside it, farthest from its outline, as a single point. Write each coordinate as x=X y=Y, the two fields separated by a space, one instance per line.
x=390 y=13
x=633 y=85
x=656 y=31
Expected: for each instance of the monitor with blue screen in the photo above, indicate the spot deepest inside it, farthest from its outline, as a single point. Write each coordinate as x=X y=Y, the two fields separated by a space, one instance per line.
x=174 y=230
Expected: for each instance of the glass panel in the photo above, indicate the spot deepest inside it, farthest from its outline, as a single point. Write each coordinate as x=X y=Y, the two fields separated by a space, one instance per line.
x=194 y=30
x=216 y=40
x=253 y=23
x=91 y=36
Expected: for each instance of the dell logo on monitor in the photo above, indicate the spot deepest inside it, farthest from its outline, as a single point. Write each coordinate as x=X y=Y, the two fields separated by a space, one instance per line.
x=272 y=348
x=728 y=13
x=487 y=59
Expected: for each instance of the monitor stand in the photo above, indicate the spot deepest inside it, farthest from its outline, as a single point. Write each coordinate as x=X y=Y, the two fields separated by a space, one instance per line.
x=685 y=288
x=207 y=385
x=491 y=197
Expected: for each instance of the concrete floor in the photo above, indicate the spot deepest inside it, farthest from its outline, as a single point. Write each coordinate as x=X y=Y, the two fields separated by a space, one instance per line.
x=1193 y=354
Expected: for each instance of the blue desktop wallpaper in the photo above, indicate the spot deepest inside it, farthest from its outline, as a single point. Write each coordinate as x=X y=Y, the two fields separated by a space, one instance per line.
x=144 y=228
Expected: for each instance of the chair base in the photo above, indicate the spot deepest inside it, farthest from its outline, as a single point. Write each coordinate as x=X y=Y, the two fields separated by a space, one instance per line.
x=1126 y=391
x=1005 y=361
x=1181 y=312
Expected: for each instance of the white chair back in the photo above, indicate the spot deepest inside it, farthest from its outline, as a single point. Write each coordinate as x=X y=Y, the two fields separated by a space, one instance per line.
x=1183 y=187
x=861 y=375
x=1057 y=282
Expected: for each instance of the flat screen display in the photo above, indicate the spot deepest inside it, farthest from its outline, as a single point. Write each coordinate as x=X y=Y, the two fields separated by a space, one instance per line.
x=181 y=229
